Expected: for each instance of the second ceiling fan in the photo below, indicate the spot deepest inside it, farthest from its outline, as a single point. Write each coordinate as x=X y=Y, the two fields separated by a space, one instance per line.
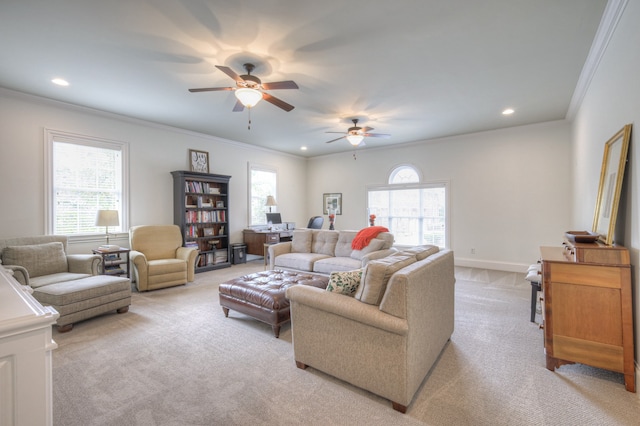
x=356 y=134
x=250 y=90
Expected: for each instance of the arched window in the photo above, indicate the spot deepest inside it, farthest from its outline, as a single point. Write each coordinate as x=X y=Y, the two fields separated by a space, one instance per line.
x=415 y=212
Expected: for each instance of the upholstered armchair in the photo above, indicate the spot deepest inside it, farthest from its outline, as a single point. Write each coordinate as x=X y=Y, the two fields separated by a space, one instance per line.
x=157 y=257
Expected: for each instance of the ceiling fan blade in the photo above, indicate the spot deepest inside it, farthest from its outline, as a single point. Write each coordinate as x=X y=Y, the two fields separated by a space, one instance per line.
x=238 y=107
x=336 y=132
x=228 y=71
x=376 y=135
x=280 y=85
x=336 y=139
x=277 y=102
x=366 y=129
x=211 y=89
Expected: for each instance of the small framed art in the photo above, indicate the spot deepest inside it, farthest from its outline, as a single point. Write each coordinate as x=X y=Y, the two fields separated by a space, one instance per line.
x=332 y=202
x=199 y=161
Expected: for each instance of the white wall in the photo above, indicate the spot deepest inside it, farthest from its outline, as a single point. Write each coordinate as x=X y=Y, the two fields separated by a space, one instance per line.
x=155 y=151
x=612 y=100
x=510 y=189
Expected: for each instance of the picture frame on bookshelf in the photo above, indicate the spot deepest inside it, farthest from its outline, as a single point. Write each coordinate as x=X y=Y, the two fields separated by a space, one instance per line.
x=199 y=161
x=208 y=232
x=220 y=204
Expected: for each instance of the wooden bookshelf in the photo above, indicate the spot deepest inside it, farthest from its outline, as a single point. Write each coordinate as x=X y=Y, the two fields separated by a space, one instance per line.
x=201 y=210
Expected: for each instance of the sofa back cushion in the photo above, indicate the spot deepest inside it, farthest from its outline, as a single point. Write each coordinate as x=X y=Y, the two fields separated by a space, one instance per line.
x=374 y=245
x=387 y=238
x=37 y=259
x=376 y=275
x=420 y=252
x=301 y=241
x=324 y=242
x=343 y=246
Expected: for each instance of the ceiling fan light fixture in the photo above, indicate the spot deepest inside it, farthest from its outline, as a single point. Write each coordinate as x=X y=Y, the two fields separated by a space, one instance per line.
x=355 y=139
x=248 y=97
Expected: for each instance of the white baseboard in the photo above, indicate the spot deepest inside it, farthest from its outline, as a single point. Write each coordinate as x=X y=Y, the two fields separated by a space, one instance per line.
x=490 y=264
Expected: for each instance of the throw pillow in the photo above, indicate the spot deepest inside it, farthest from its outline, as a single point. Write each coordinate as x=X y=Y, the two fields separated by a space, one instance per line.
x=37 y=259
x=374 y=245
x=301 y=241
x=344 y=282
x=376 y=275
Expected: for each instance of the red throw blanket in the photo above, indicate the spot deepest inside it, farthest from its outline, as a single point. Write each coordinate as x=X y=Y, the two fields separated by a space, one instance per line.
x=365 y=235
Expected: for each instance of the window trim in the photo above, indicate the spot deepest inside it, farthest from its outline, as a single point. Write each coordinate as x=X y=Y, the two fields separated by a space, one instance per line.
x=418 y=185
x=264 y=168
x=51 y=135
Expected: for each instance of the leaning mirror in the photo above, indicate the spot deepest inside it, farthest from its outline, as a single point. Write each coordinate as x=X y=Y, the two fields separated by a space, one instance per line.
x=613 y=163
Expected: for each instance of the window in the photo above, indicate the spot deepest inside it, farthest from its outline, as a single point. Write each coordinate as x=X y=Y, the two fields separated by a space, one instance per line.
x=263 y=181
x=85 y=174
x=416 y=213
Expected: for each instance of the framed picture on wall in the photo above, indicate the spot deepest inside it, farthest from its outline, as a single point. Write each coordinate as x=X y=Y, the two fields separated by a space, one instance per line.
x=332 y=203
x=199 y=161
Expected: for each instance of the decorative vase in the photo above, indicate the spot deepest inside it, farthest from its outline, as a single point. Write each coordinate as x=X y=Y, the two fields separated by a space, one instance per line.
x=372 y=220
x=332 y=218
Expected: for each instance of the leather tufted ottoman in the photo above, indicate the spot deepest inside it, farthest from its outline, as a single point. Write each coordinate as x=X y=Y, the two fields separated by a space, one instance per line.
x=261 y=295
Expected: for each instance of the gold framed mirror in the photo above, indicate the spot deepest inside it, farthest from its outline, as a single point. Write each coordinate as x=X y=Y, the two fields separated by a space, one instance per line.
x=611 y=175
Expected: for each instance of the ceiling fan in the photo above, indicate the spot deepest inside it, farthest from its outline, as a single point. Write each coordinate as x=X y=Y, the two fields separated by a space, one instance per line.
x=250 y=90
x=356 y=134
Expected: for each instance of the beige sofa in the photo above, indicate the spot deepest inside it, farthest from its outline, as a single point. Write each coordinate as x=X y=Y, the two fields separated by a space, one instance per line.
x=389 y=334
x=323 y=251
x=68 y=282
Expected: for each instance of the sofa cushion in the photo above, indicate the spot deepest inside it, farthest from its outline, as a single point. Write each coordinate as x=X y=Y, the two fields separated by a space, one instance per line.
x=37 y=259
x=60 y=277
x=301 y=241
x=331 y=264
x=343 y=246
x=324 y=242
x=345 y=282
x=376 y=276
x=374 y=245
x=420 y=252
x=298 y=261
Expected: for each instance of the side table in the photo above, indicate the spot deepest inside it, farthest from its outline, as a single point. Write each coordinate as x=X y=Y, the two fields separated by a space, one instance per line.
x=114 y=262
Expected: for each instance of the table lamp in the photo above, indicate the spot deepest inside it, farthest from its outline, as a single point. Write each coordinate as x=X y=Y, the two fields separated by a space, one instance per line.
x=271 y=202
x=107 y=218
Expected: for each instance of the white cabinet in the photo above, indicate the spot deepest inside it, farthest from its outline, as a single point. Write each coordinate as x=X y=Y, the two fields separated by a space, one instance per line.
x=25 y=356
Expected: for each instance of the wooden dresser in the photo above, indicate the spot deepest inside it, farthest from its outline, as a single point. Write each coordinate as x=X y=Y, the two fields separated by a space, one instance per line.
x=587 y=307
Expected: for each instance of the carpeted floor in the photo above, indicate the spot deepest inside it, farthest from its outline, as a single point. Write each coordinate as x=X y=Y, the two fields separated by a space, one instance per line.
x=174 y=359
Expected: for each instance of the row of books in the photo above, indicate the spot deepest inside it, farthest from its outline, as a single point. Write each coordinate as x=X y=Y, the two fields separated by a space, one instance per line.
x=193 y=201
x=205 y=216
x=195 y=231
x=201 y=187
x=214 y=258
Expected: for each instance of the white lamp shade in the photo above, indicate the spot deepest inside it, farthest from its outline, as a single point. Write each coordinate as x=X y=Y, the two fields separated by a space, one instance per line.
x=271 y=201
x=248 y=97
x=355 y=139
x=107 y=218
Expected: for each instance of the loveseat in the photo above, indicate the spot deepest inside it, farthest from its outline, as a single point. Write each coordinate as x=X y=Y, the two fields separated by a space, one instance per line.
x=324 y=251
x=68 y=282
x=387 y=335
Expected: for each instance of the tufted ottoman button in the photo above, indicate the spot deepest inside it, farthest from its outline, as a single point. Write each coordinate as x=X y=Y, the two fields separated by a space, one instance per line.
x=262 y=295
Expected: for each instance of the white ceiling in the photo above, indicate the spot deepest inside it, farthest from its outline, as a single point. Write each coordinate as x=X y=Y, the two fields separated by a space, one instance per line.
x=417 y=69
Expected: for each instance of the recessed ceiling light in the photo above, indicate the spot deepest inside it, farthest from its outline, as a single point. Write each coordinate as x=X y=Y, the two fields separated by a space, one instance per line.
x=508 y=111
x=303 y=148
x=60 y=81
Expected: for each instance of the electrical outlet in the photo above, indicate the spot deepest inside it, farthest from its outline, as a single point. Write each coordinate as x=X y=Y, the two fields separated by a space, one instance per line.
x=473 y=251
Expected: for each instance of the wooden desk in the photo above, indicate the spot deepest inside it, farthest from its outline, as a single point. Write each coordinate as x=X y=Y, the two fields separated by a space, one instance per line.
x=255 y=240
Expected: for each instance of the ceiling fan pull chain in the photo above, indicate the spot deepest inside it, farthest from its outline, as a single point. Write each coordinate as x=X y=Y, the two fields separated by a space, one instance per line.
x=249 y=126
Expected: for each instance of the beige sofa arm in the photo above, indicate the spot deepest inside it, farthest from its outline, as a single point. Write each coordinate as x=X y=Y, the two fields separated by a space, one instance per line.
x=377 y=255
x=140 y=269
x=189 y=255
x=346 y=307
x=84 y=263
x=19 y=273
x=276 y=250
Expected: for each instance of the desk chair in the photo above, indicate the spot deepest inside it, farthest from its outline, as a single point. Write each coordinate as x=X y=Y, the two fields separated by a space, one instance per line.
x=316 y=222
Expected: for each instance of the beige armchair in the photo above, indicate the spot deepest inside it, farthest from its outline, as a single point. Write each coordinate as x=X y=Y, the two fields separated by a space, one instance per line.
x=157 y=257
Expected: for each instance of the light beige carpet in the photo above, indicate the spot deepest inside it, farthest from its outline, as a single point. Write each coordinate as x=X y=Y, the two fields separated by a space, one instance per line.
x=174 y=359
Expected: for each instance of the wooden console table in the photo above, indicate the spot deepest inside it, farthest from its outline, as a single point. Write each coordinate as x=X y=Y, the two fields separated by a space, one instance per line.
x=587 y=307
x=255 y=240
